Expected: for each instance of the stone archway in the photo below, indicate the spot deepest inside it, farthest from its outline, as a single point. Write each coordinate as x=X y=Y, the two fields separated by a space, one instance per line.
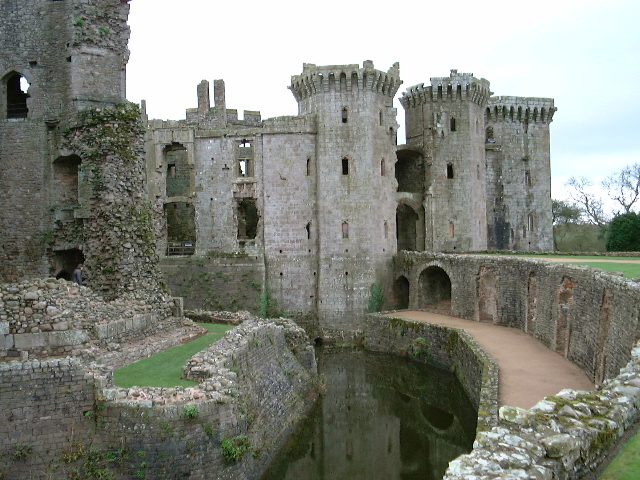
x=435 y=290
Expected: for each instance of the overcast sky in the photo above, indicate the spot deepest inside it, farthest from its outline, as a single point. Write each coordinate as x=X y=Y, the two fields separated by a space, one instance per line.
x=583 y=53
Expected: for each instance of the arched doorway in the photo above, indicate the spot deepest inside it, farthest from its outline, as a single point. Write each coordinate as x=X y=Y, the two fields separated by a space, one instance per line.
x=17 y=87
x=435 y=290
x=401 y=293
x=65 y=262
x=406 y=227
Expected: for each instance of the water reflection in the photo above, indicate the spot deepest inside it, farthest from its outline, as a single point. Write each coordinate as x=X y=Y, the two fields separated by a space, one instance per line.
x=382 y=417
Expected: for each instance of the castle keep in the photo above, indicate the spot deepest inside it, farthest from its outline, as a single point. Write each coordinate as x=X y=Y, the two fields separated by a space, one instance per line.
x=326 y=198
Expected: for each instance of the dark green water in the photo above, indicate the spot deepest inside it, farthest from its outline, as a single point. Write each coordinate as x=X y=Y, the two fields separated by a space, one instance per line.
x=382 y=418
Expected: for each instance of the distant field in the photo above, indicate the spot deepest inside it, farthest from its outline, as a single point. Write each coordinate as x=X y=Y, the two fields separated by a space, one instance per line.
x=165 y=368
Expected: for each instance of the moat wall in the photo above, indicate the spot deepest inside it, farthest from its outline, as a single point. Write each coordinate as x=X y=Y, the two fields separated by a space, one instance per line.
x=258 y=381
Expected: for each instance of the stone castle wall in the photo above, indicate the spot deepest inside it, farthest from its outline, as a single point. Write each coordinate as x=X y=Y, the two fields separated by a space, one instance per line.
x=589 y=317
x=258 y=381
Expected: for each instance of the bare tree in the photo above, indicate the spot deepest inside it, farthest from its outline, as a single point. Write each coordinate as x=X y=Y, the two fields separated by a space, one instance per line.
x=588 y=201
x=623 y=187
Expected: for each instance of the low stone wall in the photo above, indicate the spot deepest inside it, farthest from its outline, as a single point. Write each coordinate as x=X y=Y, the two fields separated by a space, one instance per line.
x=256 y=384
x=562 y=437
x=450 y=348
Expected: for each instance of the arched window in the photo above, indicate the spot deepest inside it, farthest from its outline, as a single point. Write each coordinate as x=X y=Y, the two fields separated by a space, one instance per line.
x=17 y=88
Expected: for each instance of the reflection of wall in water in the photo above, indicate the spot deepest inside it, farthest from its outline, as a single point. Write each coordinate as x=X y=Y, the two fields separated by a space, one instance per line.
x=381 y=418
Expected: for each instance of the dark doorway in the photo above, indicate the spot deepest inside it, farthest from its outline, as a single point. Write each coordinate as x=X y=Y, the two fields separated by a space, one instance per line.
x=17 y=87
x=435 y=289
x=401 y=293
x=65 y=262
x=248 y=218
x=406 y=227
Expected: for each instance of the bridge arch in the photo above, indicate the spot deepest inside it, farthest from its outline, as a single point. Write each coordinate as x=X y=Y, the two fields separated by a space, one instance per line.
x=434 y=286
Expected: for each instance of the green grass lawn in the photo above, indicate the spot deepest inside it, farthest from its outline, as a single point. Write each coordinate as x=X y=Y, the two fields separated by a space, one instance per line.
x=626 y=466
x=165 y=368
x=630 y=270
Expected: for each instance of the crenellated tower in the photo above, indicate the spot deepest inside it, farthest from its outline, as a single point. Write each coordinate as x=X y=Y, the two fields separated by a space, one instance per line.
x=446 y=121
x=354 y=183
x=518 y=173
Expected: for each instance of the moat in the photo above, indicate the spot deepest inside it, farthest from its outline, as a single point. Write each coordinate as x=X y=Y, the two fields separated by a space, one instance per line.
x=382 y=417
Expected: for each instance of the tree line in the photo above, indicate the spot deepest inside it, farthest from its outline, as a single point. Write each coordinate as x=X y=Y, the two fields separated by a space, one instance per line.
x=585 y=222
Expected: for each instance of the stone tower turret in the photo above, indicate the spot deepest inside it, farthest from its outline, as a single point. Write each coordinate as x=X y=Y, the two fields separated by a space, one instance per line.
x=446 y=120
x=353 y=168
x=519 y=173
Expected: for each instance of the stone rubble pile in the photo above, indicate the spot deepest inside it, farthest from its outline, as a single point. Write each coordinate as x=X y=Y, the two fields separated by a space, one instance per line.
x=46 y=305
x=562 y=437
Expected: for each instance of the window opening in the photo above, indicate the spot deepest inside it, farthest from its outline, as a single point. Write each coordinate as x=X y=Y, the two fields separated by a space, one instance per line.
x=345 y=166
x=527 y=178
x=452 y=230
x=345 y=230
x=449 y=170
x=17 y=88
x=382 y=168
x=308 y=167
x=380 y=117
x=530 y=222
x=345 y=115
x=247 y=218
x=452 y=124
x=386 y=229
x=308 y=229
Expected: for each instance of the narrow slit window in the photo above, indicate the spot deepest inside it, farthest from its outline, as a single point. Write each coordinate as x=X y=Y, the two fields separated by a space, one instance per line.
x=530 y=222
x=345 y=115
x=308 y=167
x=449 y=170
x=345 y=166
x=527 y=178
x=382 y=168
x=380 y=117
x=452 y=124
x=308 y=229
x=452 y=230
x=345 y=230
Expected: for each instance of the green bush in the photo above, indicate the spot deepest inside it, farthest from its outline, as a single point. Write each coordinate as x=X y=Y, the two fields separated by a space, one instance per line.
x=624 y=233
x=234 y=448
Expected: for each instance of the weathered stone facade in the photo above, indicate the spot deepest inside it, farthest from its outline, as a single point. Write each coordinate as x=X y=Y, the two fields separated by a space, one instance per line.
x=326 y=198
x=72 y=149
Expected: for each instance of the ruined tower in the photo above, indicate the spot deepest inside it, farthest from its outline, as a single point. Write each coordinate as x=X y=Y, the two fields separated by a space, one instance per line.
x=71 y=148
x=446 y=120
x=353 y=171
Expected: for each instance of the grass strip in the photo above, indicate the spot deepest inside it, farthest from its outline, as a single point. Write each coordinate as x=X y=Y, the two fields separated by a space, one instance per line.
x=165 y=368
x=626 y=466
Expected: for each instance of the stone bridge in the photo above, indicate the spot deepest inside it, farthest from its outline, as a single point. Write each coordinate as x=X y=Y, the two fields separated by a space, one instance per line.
x=589 y=317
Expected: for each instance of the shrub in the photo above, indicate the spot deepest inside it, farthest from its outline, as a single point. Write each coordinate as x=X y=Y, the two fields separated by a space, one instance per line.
x=234 y=448
x=624 y=233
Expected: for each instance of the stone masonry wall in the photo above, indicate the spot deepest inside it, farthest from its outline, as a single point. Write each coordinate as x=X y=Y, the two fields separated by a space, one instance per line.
x=450 y=348
x=590 y=317
x=223 y=283
x=256 y=382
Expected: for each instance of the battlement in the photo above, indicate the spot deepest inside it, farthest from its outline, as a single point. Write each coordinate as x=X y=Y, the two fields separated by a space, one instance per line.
x=345 y=78
x=457 y=86
x=520 y=109
x=291 y=124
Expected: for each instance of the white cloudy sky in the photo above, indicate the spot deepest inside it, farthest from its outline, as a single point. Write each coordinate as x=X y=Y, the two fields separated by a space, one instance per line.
x=583 y=53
